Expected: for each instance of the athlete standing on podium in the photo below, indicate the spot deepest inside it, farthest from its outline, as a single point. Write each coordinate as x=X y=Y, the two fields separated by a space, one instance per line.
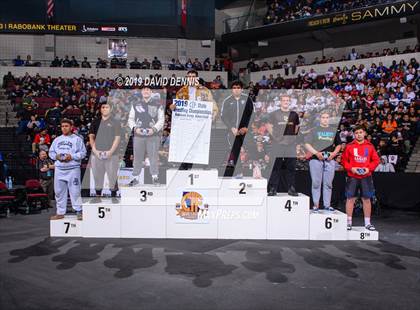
x=104 y=139
x=236 y=114
x=67 y=150
x=360 y=159
x=194 y=91
x=283 y=126
x=146 y=119
x=322 y=163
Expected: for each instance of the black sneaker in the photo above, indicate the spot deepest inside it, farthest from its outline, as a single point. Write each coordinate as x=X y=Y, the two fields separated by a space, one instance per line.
x=155 y=181
x=292 y=192
x=272 y=192
x=96 y=199
x=348 y=226
x=133 y=182
x=115 y=200
x=370 y=227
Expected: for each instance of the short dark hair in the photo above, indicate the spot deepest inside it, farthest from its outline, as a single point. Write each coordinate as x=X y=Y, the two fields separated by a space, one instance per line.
x=66 y=121
x=238 y=83
x=193 y=71
x=359 y=127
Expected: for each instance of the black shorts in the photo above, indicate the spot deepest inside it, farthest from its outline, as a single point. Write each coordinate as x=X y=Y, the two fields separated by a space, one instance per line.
x=367 y=190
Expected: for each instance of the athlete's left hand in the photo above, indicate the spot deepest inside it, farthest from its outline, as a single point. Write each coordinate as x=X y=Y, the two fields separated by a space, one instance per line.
x=68 y=157
x=366 y=171
x=150 y=131
x=243 y=131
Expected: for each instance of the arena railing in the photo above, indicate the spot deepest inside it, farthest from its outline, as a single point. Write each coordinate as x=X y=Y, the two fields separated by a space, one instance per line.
x=323 y=68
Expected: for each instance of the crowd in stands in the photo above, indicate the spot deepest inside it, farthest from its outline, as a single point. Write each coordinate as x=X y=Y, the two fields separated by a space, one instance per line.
x=121 y=63
x=288 y=66
x=383 y=99
x=279 y=11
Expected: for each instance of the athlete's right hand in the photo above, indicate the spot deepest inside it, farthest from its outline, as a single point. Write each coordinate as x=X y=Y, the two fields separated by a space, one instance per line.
x=319 y=156
x=172 y=106
x=234 y=131
x=354 y=170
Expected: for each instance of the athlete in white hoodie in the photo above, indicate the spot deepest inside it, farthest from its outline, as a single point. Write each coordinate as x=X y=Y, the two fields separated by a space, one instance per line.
x=67 y=150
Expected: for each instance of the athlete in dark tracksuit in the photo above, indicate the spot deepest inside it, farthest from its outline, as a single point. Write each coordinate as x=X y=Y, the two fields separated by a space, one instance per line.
x=236 y=114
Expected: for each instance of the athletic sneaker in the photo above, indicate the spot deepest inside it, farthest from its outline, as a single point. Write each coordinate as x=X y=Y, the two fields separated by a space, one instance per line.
x=56 y=217
x=115 y=200
x=292 y=192
x=96 y=199
x=348 y=226
x=133 y=182
x=272 y=192
x=370 y=227
x=239 y=176
x=330 y=209
x=79 y=215
x=155 y=181
x=315 y=210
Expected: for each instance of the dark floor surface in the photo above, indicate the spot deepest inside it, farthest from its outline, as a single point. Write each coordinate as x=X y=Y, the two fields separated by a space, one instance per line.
x=39 y=272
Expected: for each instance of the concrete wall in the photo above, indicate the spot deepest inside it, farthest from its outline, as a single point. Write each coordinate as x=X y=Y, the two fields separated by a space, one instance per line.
x=40 y=46
x=337 y=53
x=322 y=68
x=103 y=73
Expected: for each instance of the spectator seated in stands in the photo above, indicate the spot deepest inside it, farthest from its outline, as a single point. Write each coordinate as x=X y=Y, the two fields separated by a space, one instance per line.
x=145 y=64
x=101 y=63
x=18 y=62
x=135 y=64
x=85 y=63
x=74 y=63
x=66 y=62
x=156 y=64
x=57 y=62
x=41 y=142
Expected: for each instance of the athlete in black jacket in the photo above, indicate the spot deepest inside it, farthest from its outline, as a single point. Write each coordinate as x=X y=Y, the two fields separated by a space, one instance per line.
x=237 y=111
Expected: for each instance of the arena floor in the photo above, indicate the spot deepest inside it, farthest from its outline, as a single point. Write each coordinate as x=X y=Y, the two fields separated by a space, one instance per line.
x=38 y=272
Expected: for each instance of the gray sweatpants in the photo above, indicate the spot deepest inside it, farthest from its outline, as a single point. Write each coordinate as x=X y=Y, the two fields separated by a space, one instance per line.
x=140 y=146
x=102 y=166
x=322 y=174
x=67 y=181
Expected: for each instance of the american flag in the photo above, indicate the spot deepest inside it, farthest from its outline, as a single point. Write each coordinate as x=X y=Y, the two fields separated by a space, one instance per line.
x=50 y=10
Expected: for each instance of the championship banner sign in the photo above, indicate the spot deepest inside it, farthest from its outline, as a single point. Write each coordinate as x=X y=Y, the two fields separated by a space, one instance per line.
x=367 y=14
x=190 y=132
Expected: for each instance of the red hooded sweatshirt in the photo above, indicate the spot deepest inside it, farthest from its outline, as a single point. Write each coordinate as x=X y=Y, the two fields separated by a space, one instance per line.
x=360 y=155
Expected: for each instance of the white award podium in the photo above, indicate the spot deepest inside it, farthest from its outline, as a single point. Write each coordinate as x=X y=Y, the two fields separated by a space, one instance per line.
x=191 y=202
x=67 y=227
x=288 y=217
x=143 y=211
x=197 y=204
x=326 y=225
x=242 y=211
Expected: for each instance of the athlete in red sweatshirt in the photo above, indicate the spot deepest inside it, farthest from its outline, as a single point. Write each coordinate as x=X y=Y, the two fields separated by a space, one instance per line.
x=360 y=159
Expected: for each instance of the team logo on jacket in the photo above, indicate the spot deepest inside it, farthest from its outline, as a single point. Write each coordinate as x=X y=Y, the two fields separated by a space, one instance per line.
x=358 y=158
x=191 y=206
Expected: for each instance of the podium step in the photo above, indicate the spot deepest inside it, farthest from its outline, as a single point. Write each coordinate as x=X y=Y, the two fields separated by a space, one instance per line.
x=362 y=234
x=327 y=225
x=67 y=227
x=288 y=217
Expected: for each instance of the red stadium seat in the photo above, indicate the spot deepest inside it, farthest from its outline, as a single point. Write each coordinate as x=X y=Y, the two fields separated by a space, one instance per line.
x=6 y=199
x=36 y=199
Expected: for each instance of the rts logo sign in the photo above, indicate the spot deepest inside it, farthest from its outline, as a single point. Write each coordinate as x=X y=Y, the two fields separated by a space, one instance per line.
x=123 y=29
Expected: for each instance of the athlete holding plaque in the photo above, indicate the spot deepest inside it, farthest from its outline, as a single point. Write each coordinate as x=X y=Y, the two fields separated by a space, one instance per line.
x=283 y=126
x=146 y=119
x=104 y=138
x=360 y=160
x=194 y=90
x=322 y=163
